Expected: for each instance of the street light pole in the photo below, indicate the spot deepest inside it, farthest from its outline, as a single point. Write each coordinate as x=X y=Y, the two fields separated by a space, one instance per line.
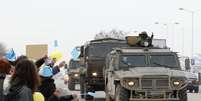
x=192 y=19
x=192 y=33
x=183 y=40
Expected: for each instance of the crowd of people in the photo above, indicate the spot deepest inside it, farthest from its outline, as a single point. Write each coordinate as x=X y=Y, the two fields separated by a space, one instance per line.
x=25 y=80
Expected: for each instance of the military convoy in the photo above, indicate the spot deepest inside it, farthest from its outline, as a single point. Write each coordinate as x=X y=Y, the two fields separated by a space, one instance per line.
x=136 y=69
x=143 y=72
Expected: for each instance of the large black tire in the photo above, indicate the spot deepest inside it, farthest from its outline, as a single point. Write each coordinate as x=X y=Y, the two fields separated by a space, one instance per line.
x=196 y=89
x=121 y=94
x=71 y=86
x=82 y=83
x=87 y=97
x=82 y=92
x=183 y=95
x=191 y=90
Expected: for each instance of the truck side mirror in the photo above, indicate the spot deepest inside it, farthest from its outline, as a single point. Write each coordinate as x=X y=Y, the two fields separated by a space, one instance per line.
x=66 y=67
x=187 y=64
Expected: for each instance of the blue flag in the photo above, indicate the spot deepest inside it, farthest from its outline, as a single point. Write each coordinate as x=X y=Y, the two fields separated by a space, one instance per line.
x=55 y=43
x=75 y=53
x=10 y=55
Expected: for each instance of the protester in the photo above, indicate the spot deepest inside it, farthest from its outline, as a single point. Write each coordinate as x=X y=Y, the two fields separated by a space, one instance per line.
x=48 y=88
x=24 y=81
x=4 y=77
x=22 y=57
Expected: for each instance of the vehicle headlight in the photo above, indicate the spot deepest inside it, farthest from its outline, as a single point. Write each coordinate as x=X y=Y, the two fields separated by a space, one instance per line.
x=94 y=74
x=131 y=83
x=178 y=83
x=76 y=75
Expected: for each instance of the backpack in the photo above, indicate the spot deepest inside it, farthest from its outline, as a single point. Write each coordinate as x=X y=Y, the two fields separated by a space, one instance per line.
x=2 y=77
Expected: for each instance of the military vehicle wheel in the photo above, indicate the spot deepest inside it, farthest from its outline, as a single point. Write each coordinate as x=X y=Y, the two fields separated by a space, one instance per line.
x=87 y=97
x=196 y=89
x=190 y=90
x=183 y=95
x=82 y=90
x=71 y=86
x=121 y=93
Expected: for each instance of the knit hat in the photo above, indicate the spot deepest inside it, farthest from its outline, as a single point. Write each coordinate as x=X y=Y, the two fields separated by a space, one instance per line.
x=46 y=71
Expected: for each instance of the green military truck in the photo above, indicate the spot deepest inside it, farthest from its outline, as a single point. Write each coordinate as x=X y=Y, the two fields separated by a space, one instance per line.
x=143 y=72
x=73 y=75
x=93 y=55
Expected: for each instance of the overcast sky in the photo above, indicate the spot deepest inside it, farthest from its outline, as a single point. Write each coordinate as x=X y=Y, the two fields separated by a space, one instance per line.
x=72 y=22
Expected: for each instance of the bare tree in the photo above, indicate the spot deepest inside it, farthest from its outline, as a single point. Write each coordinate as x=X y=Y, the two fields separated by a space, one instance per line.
x=116 y=34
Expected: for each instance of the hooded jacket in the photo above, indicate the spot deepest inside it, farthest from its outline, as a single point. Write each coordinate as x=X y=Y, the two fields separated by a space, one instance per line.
x=19 y=93
x=47 y=87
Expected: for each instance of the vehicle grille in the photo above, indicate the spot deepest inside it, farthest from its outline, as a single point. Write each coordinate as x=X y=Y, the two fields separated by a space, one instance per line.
x=155 y=82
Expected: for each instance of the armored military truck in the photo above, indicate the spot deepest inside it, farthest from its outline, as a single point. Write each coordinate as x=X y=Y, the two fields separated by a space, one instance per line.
x=73 y=74
x=93 y=55
x=143 y=72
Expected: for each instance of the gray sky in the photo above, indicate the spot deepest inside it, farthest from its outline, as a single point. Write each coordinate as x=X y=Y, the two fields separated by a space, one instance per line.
x=72 y=22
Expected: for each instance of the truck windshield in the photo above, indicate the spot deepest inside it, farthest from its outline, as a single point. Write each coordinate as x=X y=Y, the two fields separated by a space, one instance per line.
x=168 y=61
x=132 y=61
x=100 y=50
x=74 y=65
x=163 y=60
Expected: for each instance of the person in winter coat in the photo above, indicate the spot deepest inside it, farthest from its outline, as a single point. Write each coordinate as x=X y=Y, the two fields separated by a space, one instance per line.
x=48 y=87
x=4 y=77
x=24 y=82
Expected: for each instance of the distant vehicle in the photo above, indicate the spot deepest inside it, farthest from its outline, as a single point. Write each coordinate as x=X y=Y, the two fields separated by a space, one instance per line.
x=193 y=84
x=143 y=72
x=74 y=75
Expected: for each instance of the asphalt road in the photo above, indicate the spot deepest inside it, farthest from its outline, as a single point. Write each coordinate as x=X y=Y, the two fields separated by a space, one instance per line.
x=100 y=95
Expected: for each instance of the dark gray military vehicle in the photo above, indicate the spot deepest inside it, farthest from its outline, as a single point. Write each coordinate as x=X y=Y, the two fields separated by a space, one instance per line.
x=143 y=72
x=73 y=75
x=93 y=56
